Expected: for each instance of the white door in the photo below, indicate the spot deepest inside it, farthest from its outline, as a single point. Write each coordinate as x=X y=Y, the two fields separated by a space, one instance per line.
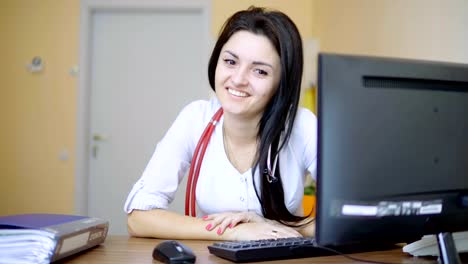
x=146 y=65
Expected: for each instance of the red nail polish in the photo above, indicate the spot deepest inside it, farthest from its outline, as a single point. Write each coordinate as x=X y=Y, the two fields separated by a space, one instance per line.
x=205 y=217
x=208 y=227
x=219 y=231
x=230 y=225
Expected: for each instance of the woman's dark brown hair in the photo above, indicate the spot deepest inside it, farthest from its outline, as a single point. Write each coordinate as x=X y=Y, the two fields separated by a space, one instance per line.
x=278 y=118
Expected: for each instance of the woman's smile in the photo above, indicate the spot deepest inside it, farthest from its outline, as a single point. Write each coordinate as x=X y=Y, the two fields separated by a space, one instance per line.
x=237 y=93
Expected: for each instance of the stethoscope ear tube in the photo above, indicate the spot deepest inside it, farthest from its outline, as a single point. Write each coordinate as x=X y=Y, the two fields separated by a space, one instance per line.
x=197 y=162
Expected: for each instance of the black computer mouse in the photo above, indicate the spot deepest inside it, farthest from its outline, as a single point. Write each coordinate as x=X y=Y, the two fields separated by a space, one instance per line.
x=172 y=251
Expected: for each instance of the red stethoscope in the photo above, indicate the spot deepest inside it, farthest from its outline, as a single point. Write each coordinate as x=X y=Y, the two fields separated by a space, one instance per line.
x=196 y=163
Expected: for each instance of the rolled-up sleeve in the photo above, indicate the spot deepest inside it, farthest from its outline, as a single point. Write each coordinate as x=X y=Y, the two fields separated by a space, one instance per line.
x=169 y=163
x=157 y=186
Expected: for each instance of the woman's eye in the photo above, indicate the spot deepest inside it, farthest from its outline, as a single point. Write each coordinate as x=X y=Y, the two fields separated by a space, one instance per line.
x=229 y=61
x=261 y=72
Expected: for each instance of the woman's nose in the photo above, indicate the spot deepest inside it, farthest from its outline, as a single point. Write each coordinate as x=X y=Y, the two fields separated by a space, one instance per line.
x=239 y=77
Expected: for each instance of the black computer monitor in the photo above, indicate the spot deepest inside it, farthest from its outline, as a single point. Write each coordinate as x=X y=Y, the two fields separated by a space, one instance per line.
x=392 y=149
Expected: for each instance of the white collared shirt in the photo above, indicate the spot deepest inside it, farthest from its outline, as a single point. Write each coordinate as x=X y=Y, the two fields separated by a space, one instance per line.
x=220 y=186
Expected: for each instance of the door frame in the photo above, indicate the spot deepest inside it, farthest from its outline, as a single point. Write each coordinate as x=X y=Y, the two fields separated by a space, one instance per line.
x=83 y=135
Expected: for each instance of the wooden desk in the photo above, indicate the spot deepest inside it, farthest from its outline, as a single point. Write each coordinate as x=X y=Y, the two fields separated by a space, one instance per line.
x=124 y=249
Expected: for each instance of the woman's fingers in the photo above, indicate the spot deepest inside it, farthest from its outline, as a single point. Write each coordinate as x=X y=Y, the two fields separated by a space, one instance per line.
x=221 y=221
x=218 y=222
x=214 y=221
x=235 y=222
x=270 y=230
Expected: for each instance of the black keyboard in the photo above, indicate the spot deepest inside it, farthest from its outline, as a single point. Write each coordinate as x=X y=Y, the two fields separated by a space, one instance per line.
x=261 y=250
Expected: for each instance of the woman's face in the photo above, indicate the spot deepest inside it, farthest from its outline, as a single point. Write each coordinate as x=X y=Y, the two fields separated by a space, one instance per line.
x=247 y=74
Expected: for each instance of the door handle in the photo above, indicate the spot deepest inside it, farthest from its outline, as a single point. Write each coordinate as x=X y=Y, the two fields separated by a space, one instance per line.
x=99 y=137
x=95 y=148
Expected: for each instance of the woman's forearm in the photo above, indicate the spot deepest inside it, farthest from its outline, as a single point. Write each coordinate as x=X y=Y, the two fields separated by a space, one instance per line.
x=159 y=223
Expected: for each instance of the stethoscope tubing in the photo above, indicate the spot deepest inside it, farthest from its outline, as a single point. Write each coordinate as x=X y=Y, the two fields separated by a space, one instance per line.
x=197 y=160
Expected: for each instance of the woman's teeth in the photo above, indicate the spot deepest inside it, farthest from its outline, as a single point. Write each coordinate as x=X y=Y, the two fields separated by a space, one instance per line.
x=237 y=93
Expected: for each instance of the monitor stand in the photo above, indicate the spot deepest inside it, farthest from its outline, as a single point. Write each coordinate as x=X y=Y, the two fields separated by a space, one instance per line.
x=448 y=251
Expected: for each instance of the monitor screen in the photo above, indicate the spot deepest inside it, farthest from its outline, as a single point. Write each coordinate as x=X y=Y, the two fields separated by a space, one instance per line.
x=392 y=149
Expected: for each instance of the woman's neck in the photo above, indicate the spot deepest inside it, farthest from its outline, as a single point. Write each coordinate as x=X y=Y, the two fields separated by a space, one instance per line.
x=240 y=142
x=240 y=131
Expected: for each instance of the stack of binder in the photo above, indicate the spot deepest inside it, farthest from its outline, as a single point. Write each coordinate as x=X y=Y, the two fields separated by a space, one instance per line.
x=45 y=238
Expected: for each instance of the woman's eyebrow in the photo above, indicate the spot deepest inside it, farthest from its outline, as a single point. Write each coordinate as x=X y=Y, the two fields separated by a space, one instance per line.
x=232 y=54
x=254 y=62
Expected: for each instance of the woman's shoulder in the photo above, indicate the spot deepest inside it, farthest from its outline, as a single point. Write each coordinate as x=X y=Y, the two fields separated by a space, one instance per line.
x=203 y=106
x=191 y=121
x=304 y=129
x=303 y=138
x=305 y=120
x=201 y=109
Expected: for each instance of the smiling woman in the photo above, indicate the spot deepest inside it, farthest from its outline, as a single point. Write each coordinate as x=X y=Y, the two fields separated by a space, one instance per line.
x=241 y=188
x=247 y=75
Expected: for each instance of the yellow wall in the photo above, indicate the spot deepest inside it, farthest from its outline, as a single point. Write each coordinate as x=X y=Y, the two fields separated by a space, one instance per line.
x=38 y=111
x=428 y=29
x=300 y=11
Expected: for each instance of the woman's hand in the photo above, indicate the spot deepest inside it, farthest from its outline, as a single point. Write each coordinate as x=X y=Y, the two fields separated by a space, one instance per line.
x=263 y=230
x=221 y=221
x=308 y=229
x=248 y=226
